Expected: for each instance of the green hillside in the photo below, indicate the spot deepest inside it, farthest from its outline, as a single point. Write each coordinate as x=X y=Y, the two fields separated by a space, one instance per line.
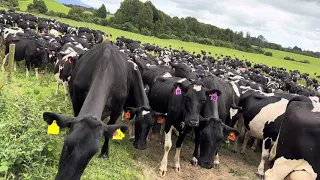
x=51 y=4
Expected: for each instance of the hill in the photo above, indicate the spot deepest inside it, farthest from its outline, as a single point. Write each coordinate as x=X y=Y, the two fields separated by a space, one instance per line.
x=51 y=5
x=74 y=2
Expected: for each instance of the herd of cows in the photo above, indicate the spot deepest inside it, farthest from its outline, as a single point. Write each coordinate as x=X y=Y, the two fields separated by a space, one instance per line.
x=209 y=94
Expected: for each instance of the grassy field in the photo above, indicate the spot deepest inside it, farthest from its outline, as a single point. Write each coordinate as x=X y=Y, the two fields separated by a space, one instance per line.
x=51 y=5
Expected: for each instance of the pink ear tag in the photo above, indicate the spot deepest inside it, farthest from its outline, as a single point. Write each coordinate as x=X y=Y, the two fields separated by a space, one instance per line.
x=177 y=91
x=214 y=97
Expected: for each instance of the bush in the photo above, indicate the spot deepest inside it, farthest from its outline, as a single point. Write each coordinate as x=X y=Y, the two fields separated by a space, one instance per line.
x=305 y=61
x=186 y=38
x=289 y=59
x=268 y=53
x=27 y=152
x=103 y=22
x=145 y=31
x=38 y=5
x=164 y=36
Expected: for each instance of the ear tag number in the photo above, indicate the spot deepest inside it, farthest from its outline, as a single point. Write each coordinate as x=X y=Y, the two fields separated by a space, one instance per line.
x=53 y=128
x=118 y=135
x=127 y=115
x=214 y=97
x=177 y=91
x=232 y=136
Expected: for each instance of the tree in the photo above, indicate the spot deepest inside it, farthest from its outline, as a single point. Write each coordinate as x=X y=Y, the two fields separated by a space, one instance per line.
x=38 y=5
x=10 y=3
x=76 y=11
x=101 y=12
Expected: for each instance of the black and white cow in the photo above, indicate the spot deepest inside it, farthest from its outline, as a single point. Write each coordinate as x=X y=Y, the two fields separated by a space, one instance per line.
x=295 y=153
x=182 y=100
x=101 y=84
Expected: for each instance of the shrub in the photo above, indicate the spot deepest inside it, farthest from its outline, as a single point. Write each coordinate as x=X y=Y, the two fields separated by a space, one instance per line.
x=103 y=22
x=164 y=36
x=305 y=61
x=186 y=38
x=268 y=53
x=145 y=31
x=38 y=5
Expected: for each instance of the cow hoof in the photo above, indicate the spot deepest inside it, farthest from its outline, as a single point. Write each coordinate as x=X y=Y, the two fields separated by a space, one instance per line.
x=103 y=156
x=235 y=151
x=253 y=149
x=227 y=143
x=162 y=173
x=216 y=165
x=194 y=161
x=260 y=176
x=148 y=138
x=177 y=169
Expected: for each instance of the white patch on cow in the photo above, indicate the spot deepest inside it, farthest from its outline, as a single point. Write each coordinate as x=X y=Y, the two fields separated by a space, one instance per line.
x=316 y=106
x=197 y=87
x=167 y=75
x=72 y=39
x=145 y=112
x=177 y=160
x=182 y=80
x=235 y=88
x=167 y=147
x=283 y=167
x=267 y=114
x=233 y=112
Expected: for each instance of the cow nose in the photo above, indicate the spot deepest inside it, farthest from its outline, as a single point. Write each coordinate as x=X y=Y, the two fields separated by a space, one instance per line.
x=205 y=165
x=193 y=123
x=140 y=146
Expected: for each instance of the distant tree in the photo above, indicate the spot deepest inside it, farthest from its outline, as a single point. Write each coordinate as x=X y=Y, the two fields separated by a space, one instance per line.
x=268 y=53
x=38 y=5
x=78 y=11
x=101 y=12
x=10 y=3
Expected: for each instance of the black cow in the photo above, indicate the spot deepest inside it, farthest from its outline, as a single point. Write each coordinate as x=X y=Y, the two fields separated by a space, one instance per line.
x=34 y=52
x=210 y=131
x=97 y=93
x=295 y=153
x=182 y=101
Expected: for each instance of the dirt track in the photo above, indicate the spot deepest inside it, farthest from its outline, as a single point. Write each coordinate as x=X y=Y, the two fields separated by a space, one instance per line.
x=233 y=166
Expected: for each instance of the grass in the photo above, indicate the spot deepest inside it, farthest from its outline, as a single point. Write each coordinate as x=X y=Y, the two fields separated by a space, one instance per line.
x=38 y=96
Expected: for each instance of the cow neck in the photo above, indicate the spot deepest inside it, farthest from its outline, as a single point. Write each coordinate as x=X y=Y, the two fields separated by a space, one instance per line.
x=139 y=94
x=97 y=96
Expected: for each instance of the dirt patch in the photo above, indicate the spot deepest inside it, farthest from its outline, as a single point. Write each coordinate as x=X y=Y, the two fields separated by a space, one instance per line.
x=233 y=166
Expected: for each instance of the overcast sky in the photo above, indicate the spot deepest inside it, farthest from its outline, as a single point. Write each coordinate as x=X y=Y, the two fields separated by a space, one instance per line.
x=287 y=22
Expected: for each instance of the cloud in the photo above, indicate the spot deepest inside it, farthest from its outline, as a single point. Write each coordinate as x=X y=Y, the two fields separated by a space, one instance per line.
x=287 y=22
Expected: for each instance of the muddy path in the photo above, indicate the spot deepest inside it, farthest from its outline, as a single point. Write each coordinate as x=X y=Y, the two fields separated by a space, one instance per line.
x=233 y=166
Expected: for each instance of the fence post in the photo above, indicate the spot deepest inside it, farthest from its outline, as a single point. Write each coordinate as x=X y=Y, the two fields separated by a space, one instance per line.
x=12 y=48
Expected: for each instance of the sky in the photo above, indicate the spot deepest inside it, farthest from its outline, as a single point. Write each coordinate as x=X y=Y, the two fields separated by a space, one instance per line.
x=286 y=22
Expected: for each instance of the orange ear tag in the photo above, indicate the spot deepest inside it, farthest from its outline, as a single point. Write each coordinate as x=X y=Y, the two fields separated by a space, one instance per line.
x=127 y=115
x=232 y=136
x=160 y=120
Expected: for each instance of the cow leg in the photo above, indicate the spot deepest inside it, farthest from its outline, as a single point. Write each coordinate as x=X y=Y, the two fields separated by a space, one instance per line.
x=161 y=133
x=57 y=89
x=216 y=162
x=131 y=129
x=245 y=142
x=255 y=145
x=27 y=73
x=150 y=134
x=241 y=129
x=65 y=87
x=178 y=150
x=4 y=61
x=167 y=147
x=266 y=145
x=195 y=157
x=105 y=148
x=37 y=73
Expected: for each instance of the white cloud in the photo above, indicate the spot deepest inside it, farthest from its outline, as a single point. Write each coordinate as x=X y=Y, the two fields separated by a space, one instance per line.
x=287 y=22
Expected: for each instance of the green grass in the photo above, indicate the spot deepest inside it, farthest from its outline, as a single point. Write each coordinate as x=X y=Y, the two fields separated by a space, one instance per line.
x=51 y=5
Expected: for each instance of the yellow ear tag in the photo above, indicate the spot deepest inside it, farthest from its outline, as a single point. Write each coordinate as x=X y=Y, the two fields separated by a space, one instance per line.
x=118 y=135
x=53 y=128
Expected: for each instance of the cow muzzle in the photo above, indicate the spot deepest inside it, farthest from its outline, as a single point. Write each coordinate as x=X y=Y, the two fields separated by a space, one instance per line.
x=193 y=123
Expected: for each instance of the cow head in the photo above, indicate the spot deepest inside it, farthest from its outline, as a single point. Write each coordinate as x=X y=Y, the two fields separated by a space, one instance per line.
x=81 y=144
x=192 y=98
x=144 y=120
x=184 y=71
x=211 y=133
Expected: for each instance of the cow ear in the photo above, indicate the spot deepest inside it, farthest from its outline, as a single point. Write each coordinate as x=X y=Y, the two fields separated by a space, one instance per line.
x=62 y=121
x=212 y=91
x=108 y=130
x=229 y=129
